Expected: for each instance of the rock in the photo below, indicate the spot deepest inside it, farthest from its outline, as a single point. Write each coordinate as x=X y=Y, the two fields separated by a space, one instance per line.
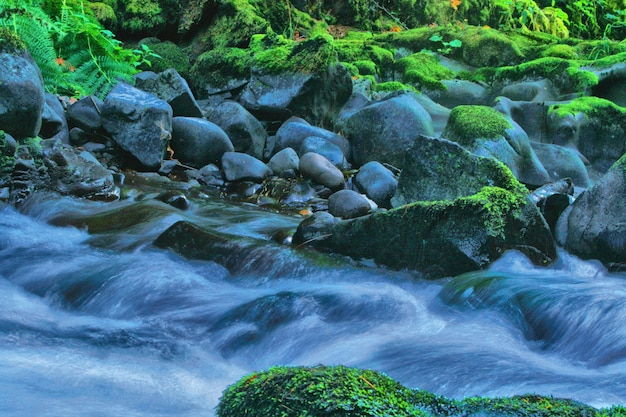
x=597 y=221
x=210 y=175
x=384 y=130
x=438 y=113
x=21 y=96
x=314 y=228
x=561 y=162
x=171 y=87
x=552 y=200
x=54 y=125
x=377 y=182
x=245 y=132
x=348 y=204
x=317 y=97
x=355 y=102
x=459 y=92
x=86 y=114
x=198 y=142
x=294 y=131
x=531 y=116
x=321 y=170
x=139 y=123
x=325 y=148
x=239 y=166
x=486 y=132
x=533 y=91
x=79 y=174
x=284 y=161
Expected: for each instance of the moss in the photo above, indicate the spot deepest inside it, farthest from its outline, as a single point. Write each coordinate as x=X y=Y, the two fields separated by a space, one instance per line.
x=275 y=54
x=104 y=13
x=424 y=69
x=352 y=69
x=142 y=16
x=319 y=391
x=10 y=42
x=170 y=56
x=391 y=86
x=216 y=67
x=469 y=122
x=483 y=47
x=528 y=405
x=358 y=50
x=234 y=26
x=590 y=106
x=560 y=51
x=413 y=39
x=366 y=67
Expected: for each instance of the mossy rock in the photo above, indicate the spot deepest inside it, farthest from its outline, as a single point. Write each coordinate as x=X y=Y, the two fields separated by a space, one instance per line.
x=170 y=56
x=141 y=17
x=353 y=51
x=484 y=47
x=392 y=86
x=560 y=51
x=104 y=13
x=10 y=42
x=412 y=39
x=220 y=69
x=467 y=123
x=423 y=69
x=339 y=391
x=276 y=54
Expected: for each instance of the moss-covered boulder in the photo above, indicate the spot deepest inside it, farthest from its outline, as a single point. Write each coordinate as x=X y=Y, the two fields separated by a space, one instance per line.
x=487 y=132
x=454 y=223
x=599 y=126
x=338 y=391
x=597 y=222
x=485 y=47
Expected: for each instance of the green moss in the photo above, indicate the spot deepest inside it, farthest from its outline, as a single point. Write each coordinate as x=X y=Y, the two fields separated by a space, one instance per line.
x=170 y=55
x=468 y=122
x=359 y=50
x=424 y=69
x=34 y=146
x=590 y=106
x=352 y=69
x=560 y=51
x=142 y=16
x=412 y=39
x=528 y=405
x=10 y=42
x=391 y=86
x=366 y=67
x=104 y=13
x=217 y=66
x=234 y=26
x=320 y=391
x=484 y=47
x=276 y=54
x=496 y=204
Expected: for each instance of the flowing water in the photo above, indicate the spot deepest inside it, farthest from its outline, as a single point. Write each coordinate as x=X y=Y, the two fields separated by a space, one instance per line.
x=102 y=323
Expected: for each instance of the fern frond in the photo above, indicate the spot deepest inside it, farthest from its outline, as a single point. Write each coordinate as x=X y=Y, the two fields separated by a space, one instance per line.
x=98 y=75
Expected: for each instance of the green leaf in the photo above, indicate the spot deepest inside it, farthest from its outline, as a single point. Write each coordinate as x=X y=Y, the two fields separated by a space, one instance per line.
x=457 y=43
x=435 y=38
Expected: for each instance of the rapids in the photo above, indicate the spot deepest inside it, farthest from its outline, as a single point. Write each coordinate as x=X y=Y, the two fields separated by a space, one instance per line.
x=101 y=323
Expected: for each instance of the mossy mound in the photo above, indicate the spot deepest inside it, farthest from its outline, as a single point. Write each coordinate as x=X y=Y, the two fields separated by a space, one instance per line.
x=10 y=42
x=275 y=54
x=424 y=70
x=590 y=107
x=170 y=55
x=338 y=391
x=484 y=47
x=219 y=67
x=467 y=123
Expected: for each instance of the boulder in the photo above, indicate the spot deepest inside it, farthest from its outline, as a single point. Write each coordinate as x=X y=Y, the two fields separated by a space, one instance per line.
x=534 y=91
x=318 y=97
x=486 y=132
x=198 y=142
x=531 y=116
x=314 y=228
x=239 y=166
x=459 y=92
x=377 y=182
x=53 y=121
x=464 y=226
x=597 y=221
x=385 y=129
x=321 y=170
x=284 y=161
x=245 y=132
x=561 y=162
x=294 y=131
x=21 y=96
x=170 y=86
x=355 y=102
x=86 y=114
x=348 y=204
x=139 y=122
x=325 y=148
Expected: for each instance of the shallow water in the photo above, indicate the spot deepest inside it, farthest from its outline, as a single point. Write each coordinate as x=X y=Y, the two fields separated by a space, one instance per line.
x=105 y=324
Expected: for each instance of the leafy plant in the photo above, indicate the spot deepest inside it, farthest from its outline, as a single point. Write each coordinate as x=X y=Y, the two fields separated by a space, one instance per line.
x=446 y=47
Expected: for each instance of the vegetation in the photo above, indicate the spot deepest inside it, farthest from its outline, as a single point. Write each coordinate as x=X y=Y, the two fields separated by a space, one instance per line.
x=467 y=123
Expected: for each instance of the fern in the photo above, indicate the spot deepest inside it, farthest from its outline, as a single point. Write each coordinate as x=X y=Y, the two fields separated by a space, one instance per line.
x=98 y=74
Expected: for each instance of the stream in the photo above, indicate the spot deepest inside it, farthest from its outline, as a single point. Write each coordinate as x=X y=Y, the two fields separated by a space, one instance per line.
x=97 y=321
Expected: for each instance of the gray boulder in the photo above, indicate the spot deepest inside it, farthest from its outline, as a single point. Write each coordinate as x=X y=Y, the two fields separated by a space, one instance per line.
x=377 y=182
x=325 y=148
x=314 y=228
x=348 y=204
x=170 y=86
x=355 y=102
x=294 y=131
x=384 y=130
x=198 y=142
x=239 y=166
x=86 y=114
x=597 y=221
x=54 y=124
x=531 y=116
x=245 y=132
x=317 y=97
x=561 y=162
x=139 y=123
x=486 y=132
x=284 y=161
x=321 y=171
x=458 y=92
x=21 y=96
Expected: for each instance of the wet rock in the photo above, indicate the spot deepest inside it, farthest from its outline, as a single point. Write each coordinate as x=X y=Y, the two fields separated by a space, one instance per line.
x=537 y=91
x=139 y=122
x=21 y=96
x=294 y=131
x=54 y=124
x=561 y=162
x=284 y=162
x=170 y=86
x=459 y=92
x=209 y=175
x=531 y=116
x=244 y=130
x=377 y=182
x=355 y=103
x=86 y=114
x=597 y=221
x=384 y=130
x=239 y=166
x=348 y=204
x=325 y=148
x=552 y=200
x=314 y=228
x=198 y=142
x=321 y=170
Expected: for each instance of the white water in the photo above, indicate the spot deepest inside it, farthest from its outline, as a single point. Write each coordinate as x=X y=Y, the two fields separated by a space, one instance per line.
x=109 y=325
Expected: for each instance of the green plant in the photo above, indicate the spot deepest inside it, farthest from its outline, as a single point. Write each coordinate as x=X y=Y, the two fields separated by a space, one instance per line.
x=446 y=47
